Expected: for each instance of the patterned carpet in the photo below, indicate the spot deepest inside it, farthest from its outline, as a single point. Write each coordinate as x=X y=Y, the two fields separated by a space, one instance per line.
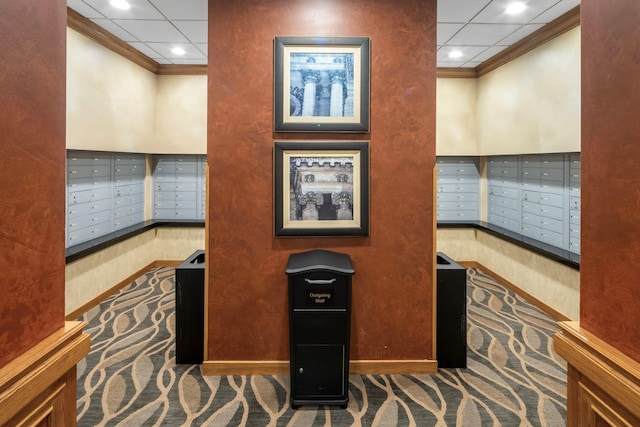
x=513 y=378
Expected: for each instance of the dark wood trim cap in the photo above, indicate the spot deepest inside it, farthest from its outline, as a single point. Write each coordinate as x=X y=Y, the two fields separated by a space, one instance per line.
x=104 y=38
x=182 y=70
x=456 y=73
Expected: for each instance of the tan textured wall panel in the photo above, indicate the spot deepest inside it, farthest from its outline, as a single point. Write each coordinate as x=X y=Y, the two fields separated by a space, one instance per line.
x=532 y=104
x=458 y=243
x=392 y=287
x=456 y=117
x=610 y=250
x=181 y=115
x=555 y=284
x=91 y=276
x=111 y=102
x=32 y=142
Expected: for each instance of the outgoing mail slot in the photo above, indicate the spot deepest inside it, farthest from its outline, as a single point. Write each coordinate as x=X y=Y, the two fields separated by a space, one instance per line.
x=319 y=327
x=318 y=290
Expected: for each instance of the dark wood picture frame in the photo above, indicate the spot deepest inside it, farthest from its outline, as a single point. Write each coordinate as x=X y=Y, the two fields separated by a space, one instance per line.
x=321 y=84
x=321 y=188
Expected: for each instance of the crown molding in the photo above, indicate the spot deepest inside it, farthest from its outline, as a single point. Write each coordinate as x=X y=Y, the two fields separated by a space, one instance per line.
x=456 y=73
x=550 y=31
x=104 y=38
x=181 y=70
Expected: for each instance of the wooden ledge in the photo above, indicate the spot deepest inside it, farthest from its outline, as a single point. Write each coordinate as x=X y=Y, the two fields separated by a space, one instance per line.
x=24 y=379
x=616 y=374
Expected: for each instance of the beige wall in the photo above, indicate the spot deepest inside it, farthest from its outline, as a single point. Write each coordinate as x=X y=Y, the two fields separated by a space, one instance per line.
x=555 y=284
x=95 y=274
x=116 y=105
x=181 y=115
x=456 y=117
x=111 y=101
x=458 y=243
x=532 y=104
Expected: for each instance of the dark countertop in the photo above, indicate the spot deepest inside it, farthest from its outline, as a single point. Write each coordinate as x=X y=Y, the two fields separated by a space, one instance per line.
x=81 y=250
x=560 y=255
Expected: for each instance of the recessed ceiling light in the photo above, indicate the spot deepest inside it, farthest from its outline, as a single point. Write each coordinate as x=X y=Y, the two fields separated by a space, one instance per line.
x=178 y=51
x=455 y=54
x=515 y=8
x=120 y=4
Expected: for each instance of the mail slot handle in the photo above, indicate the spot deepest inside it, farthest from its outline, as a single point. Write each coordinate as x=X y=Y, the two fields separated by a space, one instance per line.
x=320 y=281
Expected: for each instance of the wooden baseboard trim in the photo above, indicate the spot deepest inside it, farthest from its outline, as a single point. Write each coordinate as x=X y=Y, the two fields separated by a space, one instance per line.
x=30 y=379
x=600 y=377
x=166 y=263
x=245 y=367
x=468 y=264
x=75 y=314
x=524 y=294
x=281 y=367
x=392 y=367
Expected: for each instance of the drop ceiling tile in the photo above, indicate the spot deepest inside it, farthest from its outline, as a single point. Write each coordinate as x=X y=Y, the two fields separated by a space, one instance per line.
x=203 y=47
x=483 y=34
x=520 y=33
x=152 y=31
x=182 y=9
x=142 y=47
x=450 y=64
x=446 y=31
x=163 y=61
x=468 y=53
x=196 y=31
x=164 y=49
x=190 y=61
x=556 y=11
x=460 y=11
x=495 y=14
x=140 y=9
x=115 y=29
x=488 y=53
x=84 y=9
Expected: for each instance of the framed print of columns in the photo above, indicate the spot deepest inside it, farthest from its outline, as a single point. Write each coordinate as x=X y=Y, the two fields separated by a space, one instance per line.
x=321 y=188
x=321 y=84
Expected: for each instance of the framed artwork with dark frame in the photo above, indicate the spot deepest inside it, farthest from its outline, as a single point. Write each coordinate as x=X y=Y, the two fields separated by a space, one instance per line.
x=321 y=84
x=321 y=188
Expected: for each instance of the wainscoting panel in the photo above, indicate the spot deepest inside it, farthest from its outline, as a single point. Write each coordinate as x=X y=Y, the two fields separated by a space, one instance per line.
x=603 y=383
x=39 y=387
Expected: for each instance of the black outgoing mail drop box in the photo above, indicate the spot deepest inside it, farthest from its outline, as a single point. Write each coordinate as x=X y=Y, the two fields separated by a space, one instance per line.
x=190 y=309
x=319 y=327
x=451 y=318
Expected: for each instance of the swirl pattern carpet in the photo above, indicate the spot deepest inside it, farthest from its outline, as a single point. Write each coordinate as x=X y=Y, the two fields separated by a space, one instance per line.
x=129 y=378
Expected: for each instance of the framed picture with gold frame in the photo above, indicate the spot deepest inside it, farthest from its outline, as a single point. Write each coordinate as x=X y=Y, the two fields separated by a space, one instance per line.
x=321 y=188
x=321 y=84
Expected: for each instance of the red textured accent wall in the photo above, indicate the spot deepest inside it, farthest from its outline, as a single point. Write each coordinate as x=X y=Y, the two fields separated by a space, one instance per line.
x=392 y=287
x=32 y=158
x=610 y=253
